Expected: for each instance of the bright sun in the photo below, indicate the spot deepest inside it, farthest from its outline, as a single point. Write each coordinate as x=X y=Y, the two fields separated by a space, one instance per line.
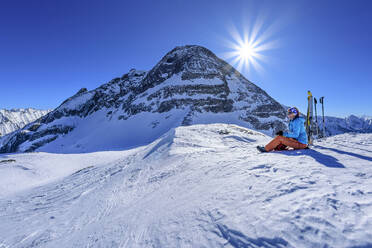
x=246 y=51
x=249 y=46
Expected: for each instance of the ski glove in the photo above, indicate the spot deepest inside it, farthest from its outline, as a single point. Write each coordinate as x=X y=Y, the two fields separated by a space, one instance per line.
x=280 y=133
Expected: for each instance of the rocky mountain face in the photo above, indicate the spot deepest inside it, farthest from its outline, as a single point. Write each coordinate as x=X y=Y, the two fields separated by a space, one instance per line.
x=14 y=119
x=189 y=85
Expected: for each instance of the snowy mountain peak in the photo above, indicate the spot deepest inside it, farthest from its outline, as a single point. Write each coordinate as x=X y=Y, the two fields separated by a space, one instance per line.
x=13 y=119
x=192 y=62
x=189 y=85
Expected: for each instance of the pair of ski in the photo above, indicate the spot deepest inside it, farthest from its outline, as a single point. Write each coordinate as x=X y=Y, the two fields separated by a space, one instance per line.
x=310 y=125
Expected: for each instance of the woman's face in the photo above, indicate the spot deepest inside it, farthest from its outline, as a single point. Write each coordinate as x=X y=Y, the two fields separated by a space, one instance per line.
x=291 y=116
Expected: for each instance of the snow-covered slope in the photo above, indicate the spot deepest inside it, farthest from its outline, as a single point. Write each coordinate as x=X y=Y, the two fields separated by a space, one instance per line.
x=196 y=186
x=14 y=119
x=189 y=85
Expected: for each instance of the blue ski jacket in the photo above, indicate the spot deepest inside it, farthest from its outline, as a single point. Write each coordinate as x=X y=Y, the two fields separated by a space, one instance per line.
x=297 y=130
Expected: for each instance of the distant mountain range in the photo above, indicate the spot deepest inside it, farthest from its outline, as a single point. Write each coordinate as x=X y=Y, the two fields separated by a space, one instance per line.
x=14 y=119
x=352 y=123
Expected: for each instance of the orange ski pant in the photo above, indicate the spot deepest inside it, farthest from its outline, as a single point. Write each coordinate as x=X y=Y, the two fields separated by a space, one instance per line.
x=281 y=140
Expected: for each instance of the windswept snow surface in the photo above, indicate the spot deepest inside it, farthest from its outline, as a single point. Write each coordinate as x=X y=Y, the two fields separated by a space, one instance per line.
x=196 y=186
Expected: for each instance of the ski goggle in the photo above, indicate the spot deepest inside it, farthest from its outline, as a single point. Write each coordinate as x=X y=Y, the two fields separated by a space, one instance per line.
x=292 y=111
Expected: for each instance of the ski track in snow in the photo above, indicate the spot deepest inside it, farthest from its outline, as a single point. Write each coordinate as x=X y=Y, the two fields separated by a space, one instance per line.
x=197 y=186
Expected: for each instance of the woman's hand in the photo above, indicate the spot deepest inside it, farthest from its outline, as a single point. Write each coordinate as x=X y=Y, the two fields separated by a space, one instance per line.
x=280 y=133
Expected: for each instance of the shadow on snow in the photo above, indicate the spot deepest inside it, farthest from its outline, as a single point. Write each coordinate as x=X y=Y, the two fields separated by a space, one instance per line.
x=324 y=159
x=346 y=153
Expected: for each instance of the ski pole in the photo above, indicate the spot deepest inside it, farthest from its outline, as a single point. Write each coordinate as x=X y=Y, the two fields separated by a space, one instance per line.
x=322 y=102
x=316 y=118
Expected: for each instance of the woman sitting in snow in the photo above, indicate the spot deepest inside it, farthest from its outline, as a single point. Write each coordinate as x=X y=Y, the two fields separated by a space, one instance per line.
x=296 y=138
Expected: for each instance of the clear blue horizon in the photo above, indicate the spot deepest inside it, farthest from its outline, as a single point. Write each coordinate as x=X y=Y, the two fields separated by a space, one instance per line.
x=51 y=49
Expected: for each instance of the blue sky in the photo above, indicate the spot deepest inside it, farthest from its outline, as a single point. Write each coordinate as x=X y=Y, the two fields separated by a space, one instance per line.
x=50 y=49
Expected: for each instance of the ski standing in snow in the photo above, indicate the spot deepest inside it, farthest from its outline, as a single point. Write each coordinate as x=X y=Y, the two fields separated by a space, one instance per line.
x=309 y=118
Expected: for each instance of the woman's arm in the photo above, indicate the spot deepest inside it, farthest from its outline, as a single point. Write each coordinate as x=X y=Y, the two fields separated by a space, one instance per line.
x=295 y=132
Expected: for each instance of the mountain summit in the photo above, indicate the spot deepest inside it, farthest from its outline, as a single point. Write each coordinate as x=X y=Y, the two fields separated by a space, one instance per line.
x=189 y=85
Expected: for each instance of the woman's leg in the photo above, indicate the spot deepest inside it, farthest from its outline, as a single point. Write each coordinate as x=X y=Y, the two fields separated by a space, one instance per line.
x=278 y=140
x=281 y=147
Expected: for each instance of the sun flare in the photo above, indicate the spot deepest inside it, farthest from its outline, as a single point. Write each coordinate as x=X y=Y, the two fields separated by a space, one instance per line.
x=250 y=45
